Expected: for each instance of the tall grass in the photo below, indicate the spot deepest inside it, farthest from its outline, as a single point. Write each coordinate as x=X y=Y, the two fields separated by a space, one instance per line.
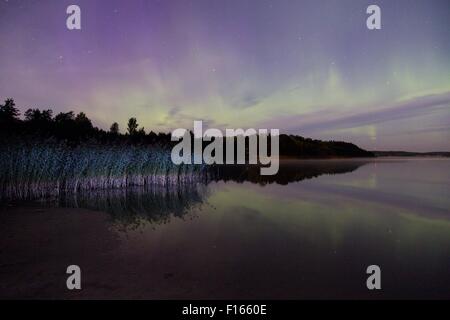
x=33 y=169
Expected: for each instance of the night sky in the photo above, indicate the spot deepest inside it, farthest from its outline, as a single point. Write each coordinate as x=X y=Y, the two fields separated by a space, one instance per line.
x=305 y=67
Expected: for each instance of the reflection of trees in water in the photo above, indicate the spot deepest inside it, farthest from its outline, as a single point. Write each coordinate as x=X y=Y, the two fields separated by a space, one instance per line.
x=136 y=205
x=133 y=206
x=289 y=171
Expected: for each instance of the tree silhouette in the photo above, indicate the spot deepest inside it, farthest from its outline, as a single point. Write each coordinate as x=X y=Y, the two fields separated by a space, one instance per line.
x=83 y=123
x=141 y=132
x=36 y=115
x=114 y=128
x=38 y=121
x=132 y=126
x=9 y=112
x=64 y=117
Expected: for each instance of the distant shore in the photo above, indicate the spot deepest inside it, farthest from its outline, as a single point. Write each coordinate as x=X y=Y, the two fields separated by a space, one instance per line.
x=410 y=154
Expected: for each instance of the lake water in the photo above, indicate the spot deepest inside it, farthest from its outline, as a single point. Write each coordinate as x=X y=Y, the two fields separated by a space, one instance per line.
x=309 y=233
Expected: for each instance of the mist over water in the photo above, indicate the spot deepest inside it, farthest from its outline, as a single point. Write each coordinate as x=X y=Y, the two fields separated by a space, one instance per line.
x=309 y=232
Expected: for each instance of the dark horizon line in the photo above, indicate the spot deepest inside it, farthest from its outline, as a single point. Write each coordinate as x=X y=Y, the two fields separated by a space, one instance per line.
x=412 y=152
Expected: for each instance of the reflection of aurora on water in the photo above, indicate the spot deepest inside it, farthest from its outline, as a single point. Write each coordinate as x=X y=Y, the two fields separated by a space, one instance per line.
x=135 y=205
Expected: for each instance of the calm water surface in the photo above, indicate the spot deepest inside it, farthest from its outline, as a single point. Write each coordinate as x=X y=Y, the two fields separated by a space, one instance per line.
x=309 y=233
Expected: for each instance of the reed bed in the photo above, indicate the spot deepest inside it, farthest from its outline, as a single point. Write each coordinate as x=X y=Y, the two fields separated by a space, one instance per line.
x=36 y=169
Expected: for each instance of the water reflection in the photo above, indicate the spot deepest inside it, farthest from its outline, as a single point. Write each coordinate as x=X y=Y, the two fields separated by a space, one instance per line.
x=289 y=171
x=311 y=238
x=134 y=206
x=156 y=205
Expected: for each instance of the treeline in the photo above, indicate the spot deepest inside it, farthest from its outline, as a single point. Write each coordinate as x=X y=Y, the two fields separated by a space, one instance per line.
x=75 y=129
x=71 y=127
x=298 y=147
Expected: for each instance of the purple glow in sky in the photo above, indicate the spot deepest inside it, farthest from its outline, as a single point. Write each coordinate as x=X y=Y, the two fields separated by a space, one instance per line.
x=306 y=67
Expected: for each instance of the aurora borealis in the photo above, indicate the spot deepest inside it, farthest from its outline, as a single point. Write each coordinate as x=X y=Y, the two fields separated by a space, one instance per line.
x=306 y=67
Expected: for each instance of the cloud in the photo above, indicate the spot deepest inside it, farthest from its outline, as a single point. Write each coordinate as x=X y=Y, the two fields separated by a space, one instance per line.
x=331 y=119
